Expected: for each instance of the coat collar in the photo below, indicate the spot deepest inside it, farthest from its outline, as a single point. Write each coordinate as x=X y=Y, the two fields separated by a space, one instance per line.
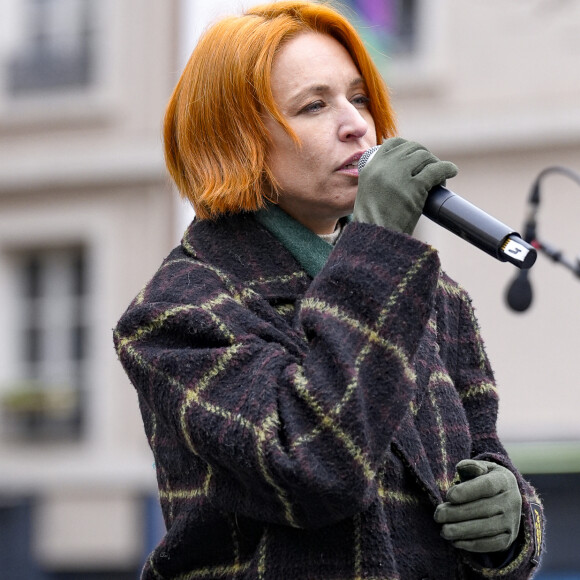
x=248 y=254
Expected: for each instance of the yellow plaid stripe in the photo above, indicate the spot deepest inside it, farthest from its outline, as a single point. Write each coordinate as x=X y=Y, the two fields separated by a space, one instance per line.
x=515 y=563
x=478 y=340
x=450 y=288
x=392 y=496
x=328 y=423
x=158 y=322
x=357 y=521
x=262 y=555
x=278 y=279
x=284 y=309
x=211 y=572
x=434 y=380
x=477 y=390
x=265 y=437
x=171 y=495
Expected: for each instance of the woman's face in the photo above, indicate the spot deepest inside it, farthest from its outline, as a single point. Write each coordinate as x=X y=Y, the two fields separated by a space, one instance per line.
x=323 y=98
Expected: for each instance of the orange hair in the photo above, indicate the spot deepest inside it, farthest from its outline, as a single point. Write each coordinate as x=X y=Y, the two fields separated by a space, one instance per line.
x=215 y=139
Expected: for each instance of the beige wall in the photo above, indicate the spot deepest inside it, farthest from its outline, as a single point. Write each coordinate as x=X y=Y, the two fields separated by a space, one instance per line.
x=88 y=167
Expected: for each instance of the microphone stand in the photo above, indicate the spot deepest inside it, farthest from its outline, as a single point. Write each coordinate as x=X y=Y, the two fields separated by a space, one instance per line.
x=530 y=234
x=556 y=256
x=519 y=294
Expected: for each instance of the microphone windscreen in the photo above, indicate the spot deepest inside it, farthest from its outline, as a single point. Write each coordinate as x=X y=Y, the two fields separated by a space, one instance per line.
x=519 y=294
x=367 y=156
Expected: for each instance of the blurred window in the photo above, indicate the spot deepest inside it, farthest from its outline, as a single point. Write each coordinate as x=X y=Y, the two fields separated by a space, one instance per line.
x=55 y=50
x=389 y=27
x=52 y=324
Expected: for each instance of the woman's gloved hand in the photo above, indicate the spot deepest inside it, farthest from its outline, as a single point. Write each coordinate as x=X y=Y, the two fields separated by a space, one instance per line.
x=482 y=513
x=393 y=186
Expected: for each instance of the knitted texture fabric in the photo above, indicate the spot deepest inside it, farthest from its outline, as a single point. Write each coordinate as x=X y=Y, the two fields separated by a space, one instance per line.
x=306 y=428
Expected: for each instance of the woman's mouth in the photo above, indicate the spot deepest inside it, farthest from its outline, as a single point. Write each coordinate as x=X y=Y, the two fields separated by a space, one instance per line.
x=351 y=165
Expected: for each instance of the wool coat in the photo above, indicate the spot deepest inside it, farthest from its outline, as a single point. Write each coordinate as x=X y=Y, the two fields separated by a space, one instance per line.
x=306 y=420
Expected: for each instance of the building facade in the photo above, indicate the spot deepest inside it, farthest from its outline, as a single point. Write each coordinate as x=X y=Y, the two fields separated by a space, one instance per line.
x=87 y=213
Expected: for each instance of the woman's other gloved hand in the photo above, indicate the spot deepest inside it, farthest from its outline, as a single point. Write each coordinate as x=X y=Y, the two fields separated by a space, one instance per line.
x=482 y=513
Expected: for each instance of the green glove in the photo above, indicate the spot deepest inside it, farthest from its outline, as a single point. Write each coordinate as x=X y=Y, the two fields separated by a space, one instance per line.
x=482 y=513
x=393 y=186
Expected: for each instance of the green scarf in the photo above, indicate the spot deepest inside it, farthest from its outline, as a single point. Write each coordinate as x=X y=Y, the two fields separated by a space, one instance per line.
x=309 y=249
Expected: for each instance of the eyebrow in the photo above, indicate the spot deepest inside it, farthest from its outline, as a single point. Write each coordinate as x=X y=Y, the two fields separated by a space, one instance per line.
x=322 y=88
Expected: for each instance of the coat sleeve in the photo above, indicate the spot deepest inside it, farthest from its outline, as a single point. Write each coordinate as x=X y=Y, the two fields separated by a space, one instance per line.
x=299 y=419
x=478 y=391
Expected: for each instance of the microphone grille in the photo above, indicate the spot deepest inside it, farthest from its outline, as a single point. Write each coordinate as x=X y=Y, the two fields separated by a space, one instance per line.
x=367 y=156
x=519 y=295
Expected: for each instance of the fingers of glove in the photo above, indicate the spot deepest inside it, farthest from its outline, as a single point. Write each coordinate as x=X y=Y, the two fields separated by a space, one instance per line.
x=470 y=468
x=397 y=146
x=400 y=154
x=413 y=159
x=409 y=158
x=413 y=156
x=447 y=513
x=419 y=159
x=436 y=173
x=477 y=528
x=489 y=484
x=497 y=543
x=390 y=144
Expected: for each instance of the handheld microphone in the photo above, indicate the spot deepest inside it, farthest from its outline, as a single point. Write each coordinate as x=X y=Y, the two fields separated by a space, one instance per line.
x=472 y=224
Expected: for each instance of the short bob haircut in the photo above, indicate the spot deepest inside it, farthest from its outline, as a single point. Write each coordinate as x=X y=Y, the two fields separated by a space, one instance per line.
x=215 y=139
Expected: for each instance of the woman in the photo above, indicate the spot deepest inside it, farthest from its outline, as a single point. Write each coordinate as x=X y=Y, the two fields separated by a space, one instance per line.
x=313 y=387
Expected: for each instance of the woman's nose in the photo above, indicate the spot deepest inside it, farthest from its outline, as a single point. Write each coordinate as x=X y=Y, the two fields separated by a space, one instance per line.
x=352 y=124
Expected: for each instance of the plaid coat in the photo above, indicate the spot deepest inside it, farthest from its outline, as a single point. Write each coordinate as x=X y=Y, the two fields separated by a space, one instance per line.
x=306 y=428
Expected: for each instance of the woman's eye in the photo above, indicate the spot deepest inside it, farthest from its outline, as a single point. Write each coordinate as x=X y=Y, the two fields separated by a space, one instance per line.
x=313 y=107
x=361 y=101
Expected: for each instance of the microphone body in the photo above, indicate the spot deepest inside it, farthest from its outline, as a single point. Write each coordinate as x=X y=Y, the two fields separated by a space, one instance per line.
x=467 y=221
x=472 y=224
